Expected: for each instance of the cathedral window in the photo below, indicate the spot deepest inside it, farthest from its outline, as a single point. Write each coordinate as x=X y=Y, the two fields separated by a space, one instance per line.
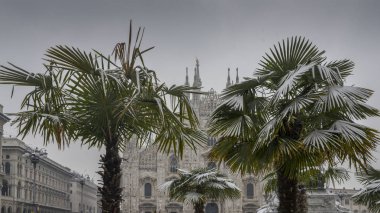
x=250 y=191
x=212 y=208
x=7 y=168
x=173 y=164
x=148 y=160
x=147 y=190
x=347 y=201
x=5 y=188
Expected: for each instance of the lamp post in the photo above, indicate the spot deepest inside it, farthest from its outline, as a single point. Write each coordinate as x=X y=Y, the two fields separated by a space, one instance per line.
x=35 y=155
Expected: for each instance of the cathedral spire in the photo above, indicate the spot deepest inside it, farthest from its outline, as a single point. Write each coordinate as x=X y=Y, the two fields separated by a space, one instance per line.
x=187 y=77
x=197 y=78
x=237 y=75
x=228 y=79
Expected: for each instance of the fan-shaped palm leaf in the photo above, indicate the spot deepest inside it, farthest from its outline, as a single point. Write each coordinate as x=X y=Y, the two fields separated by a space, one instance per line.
x=197 y=186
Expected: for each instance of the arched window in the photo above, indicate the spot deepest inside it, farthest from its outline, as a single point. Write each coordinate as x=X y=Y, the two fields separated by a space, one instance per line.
x=9 y=209
x=212 y=208
x=147 y=190
x=211 y=165
x=3 y=209
x=21 y=170
x=250 y=191
x=5 y=189
x=19 y=189
x=173 y=164
x=7 y=168
x=346 y=202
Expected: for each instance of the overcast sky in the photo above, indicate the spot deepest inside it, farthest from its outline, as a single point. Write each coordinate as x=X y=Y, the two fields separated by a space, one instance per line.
x=220 y=33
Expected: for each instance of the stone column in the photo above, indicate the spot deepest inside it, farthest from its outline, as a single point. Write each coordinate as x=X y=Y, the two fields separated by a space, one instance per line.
x=3 y=119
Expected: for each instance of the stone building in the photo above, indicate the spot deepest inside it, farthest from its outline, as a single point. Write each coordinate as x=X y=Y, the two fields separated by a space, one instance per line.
x=52 y=182
x=3 y=119
x=344 y=197
x=83 y=194
x=144 y=169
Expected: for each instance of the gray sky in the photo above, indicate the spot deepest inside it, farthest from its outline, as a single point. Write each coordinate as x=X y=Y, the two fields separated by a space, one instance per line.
x=221 y=33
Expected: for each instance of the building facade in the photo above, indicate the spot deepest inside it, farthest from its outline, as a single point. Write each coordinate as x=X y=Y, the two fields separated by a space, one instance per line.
x=144 y=169
x=83 y=195
x=53 y=181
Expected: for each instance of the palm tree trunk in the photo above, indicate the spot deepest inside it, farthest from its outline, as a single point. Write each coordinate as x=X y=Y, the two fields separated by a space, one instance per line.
x=111 y=190
x=287 y=193
x=302 y=200
x=199 y=207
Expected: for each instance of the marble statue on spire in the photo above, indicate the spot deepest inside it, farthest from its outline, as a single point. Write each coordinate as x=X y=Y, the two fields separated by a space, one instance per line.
x=187 y=77
x=197 y=78
x=228 y=79
x=237 y=75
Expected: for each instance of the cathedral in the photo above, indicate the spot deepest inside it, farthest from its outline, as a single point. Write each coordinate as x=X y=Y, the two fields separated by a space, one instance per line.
x=145 y=169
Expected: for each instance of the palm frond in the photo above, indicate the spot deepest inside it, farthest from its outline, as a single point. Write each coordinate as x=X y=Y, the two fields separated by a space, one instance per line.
x=370 y=194
x=200 y=185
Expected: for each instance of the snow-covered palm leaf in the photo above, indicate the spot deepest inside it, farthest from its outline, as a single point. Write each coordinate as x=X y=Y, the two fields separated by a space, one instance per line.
x=297 y=104
x=321 y=140
x=288 y=82
x=356 y=141
x=345 y=67
x=350 y=131
x=199 y=185
x=231 y=185
x=268 y=131
x=330 y=75
x=288 y=55
x=192 y=197
x=230 y=122
x=247 y=87
x=235 y=102
x=235 y=153
x=205 y=176
x=165 y=186
x=338 y=95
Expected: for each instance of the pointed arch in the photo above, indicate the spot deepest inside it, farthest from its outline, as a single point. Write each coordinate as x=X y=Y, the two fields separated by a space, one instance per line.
x=173 y=164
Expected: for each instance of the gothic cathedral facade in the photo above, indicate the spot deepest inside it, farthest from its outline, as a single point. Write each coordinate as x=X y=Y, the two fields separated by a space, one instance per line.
x=145 y=169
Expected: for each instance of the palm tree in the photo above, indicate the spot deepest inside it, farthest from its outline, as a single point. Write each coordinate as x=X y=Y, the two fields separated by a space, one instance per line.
x=370 y=194
x=309 y=179
x=104 y=102
x=200 y=185
x=295 y=114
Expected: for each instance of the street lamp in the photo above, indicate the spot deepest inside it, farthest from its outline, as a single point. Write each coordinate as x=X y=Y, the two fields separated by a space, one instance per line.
x=35 y=155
